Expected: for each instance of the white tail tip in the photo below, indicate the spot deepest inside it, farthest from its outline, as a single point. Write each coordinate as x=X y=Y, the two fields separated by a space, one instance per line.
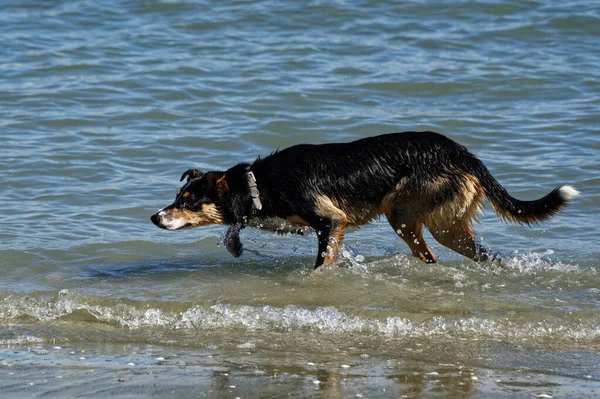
x=567 y=193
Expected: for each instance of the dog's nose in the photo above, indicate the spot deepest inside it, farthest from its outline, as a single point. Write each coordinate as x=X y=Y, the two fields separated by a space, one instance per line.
x=155 y=219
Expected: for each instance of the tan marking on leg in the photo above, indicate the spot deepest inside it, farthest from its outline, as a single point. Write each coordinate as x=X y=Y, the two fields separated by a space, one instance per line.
x=411 y=231
x=459 y=238
x=326 y=208
x=335 y=241
x=416 y=243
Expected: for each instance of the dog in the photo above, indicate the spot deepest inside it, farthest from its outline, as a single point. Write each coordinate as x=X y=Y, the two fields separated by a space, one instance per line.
x=415 y=179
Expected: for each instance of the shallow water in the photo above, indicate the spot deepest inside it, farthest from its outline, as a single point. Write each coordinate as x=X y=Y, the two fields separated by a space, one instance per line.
x=104 y=105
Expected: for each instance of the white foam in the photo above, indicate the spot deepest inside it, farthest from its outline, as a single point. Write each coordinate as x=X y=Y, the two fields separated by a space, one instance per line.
x=567 y=193
x=328 y=320
x=21 y=340
x=535 y=262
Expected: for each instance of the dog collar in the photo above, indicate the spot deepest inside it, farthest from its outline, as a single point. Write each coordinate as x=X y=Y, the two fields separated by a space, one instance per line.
x=254 y=193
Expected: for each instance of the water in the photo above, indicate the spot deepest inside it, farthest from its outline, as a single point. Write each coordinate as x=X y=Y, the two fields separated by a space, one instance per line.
x=104 y=104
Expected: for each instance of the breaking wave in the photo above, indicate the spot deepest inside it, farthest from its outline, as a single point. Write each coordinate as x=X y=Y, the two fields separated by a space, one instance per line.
x=328 y=320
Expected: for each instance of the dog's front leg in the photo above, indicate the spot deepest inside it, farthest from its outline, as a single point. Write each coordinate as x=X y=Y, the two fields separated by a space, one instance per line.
x=232 y=241
x=330 y=235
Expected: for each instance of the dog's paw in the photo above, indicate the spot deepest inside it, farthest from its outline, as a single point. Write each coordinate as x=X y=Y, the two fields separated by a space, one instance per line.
x=233 y=243
x=235 y=248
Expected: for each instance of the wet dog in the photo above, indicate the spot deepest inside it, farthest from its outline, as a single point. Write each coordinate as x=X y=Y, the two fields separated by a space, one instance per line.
x=415 y=179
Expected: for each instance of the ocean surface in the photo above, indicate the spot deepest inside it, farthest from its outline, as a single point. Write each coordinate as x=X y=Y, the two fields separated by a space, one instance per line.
x=103 y=104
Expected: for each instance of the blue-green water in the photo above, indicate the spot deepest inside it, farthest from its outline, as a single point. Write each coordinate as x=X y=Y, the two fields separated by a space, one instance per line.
x=104 y=104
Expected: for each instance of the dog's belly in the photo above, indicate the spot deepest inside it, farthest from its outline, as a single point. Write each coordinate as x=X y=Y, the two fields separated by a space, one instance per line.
x=280 y=225
x=284 y=226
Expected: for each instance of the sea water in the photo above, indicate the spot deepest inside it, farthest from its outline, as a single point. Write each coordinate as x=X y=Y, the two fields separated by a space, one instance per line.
x=104 y=104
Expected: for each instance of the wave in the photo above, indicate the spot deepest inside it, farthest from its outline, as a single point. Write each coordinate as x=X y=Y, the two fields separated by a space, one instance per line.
x=329 y=320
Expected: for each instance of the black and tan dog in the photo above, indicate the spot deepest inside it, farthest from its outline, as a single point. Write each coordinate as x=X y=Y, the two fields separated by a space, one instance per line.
x=413 y=178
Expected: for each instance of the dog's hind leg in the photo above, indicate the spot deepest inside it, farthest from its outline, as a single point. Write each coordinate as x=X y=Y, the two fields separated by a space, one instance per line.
x=459 y=237
x=410 y=229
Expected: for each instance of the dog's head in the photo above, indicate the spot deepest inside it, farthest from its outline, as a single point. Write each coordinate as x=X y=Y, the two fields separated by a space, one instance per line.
x=196 y=202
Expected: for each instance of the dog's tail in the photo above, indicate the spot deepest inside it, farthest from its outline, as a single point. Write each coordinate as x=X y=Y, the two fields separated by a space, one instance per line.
x=517 y=211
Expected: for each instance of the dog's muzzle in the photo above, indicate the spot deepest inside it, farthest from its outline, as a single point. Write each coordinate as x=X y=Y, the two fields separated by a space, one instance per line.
x=156 y=219
x=165 y=220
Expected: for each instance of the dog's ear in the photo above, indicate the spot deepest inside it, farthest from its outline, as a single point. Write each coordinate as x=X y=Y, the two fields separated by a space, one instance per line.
x=191 y=174
x=211 y=179
x=222 y=186
x=218 y=183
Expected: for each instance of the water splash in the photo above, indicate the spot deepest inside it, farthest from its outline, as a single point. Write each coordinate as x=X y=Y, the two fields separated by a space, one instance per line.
x=532 y=263
x=349 y=257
